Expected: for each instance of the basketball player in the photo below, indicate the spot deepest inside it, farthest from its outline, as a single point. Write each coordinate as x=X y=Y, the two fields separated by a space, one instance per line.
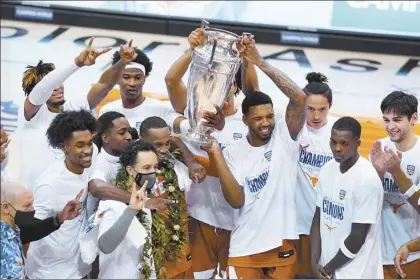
x=396 y=159
x=211 y=218
x=314 y=152
x=156 y=131
x=58 y=255
x=345 y=232
x=113 y=134
x=136 y=107
x=257 y=176
x=402 y=254
x=45 y=98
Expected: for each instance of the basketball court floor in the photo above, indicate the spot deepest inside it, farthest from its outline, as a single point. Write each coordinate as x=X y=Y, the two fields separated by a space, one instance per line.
x=359 y=80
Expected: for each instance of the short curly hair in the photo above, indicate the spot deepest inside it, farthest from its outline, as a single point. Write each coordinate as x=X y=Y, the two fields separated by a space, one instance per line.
x=141 y=58
x=129 y=154
x=67 y=122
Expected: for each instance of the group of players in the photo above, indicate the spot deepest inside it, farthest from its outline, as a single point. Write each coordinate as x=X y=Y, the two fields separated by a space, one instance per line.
x=280 y=193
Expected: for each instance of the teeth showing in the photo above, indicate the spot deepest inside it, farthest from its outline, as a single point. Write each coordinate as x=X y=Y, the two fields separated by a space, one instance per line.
x=264 y=130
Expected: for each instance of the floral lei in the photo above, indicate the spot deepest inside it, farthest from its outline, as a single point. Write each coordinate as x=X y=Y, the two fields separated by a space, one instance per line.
x=166 y=242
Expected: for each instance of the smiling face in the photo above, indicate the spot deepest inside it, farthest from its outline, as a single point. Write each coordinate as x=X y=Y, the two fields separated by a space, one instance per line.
x=260 y=121
x=399 y=126
x=160 y=138
x=79 y=149
x=131 y=83
x=343 y=145
x=317 y=108
x=118 y=136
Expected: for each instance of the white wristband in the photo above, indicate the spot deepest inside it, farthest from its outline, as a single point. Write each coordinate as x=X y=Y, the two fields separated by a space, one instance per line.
x=346 y=252
x=43 y=90
x=411 y=191
x=184 y=126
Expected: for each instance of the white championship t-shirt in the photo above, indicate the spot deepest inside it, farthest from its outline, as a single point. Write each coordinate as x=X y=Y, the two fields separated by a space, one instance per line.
x=268 y=175
x=150 y=107
x=106 y=168
x=400 y=221
x=353 y=197
x=58 y=254
x=314 y=152
x=36 y=155
x=205 y=201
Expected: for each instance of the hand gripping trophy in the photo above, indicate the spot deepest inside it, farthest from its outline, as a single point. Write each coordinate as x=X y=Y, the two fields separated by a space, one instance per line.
x=212 y=73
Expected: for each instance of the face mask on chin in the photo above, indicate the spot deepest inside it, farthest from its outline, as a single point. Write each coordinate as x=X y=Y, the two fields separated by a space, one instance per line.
x=149 y=177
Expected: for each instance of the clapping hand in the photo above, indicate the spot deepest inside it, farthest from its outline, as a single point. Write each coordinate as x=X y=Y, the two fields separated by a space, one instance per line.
x=127 y=53
x=377 y=158
x=88 y=56
x=72 y=209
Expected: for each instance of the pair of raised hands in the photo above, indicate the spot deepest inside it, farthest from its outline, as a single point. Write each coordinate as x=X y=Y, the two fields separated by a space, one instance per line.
x=88 y=56
x=245 y=46
x=385 y=160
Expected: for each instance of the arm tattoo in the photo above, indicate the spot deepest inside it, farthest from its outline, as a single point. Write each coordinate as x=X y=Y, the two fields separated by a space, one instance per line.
x=284 y=83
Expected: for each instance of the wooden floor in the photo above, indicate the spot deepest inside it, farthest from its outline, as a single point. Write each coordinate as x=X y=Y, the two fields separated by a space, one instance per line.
x=358 y=90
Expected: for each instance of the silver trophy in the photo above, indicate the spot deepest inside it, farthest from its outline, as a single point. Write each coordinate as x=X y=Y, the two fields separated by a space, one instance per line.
x=212 y=73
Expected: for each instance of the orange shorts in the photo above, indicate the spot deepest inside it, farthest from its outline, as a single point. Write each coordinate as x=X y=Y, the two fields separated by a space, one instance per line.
x=411 y=269
x=209 y=248
x=278 y=263
x=303 y=265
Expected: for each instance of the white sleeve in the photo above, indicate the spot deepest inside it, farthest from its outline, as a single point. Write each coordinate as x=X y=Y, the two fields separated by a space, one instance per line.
x=43 y=90
x=233 y=167
x=108 y=219
x=44 y=204
x=365 y=204
x=281 y=133
x=100 y=171
x=170 y=116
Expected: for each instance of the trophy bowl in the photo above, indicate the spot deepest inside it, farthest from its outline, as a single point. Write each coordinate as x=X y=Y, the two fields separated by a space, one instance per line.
x=212 y=73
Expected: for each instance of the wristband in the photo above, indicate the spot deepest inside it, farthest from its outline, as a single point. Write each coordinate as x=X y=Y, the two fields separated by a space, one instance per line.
x=411 y=191
x=346 y=252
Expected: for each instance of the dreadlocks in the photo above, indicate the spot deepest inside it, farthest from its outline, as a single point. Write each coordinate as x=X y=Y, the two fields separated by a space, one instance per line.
x=34 y=74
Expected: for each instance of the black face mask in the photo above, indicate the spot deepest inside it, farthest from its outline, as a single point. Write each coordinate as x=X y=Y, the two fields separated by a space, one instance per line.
x=23 y=218
x=149 y=177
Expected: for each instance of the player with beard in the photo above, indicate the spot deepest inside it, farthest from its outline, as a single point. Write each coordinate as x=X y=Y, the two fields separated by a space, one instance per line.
x=211 y=216
x=314 y=153
x=345 y=232
x=396 y=158
x=258 y=175
x=44 y=93
x=58 y=255
x=136 y=107
x=172 y=181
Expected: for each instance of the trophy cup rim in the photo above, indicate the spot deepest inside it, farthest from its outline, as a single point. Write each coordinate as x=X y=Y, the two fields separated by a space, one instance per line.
x=237 y=37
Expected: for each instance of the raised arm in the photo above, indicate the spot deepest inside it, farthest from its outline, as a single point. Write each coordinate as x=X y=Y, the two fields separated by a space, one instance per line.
x=231 y=189
x=105 y=191
x=43 y=90
x=177 y=90
x=295 y=112
x=111 y=76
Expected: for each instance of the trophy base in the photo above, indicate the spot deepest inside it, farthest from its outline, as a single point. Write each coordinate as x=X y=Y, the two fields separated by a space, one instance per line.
x=196 y=138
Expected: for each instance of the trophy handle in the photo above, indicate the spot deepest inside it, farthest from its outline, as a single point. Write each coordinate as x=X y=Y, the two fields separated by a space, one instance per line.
x=213 y=51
